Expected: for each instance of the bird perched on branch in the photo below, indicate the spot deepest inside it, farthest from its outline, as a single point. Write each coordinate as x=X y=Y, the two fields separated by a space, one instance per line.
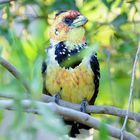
x=77 y=81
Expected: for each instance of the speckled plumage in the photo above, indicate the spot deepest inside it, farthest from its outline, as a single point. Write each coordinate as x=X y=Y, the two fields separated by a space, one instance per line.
x=73 y=84
x=80 y=80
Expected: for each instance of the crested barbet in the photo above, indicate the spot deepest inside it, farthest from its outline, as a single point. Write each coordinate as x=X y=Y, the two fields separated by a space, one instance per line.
x=79 y=81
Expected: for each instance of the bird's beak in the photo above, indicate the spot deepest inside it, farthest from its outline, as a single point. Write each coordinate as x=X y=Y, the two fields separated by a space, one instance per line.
x=79 y=21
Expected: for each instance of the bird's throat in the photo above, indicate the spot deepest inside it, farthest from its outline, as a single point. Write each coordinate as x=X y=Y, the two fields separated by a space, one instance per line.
x=75 y=37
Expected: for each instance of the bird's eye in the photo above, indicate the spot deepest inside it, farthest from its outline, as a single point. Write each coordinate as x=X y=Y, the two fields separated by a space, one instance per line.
x=68 y=21
x=56 y=31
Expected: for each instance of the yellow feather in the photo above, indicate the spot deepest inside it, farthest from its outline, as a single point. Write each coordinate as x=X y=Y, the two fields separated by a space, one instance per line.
x=74 y=85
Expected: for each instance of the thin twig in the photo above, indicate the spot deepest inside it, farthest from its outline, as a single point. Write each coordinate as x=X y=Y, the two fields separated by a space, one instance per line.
x=67 y=113
x=131 y=92
x=15 y=73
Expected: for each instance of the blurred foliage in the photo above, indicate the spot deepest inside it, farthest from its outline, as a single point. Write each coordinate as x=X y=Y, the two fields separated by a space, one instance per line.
x=103 y=132
x=113 y=25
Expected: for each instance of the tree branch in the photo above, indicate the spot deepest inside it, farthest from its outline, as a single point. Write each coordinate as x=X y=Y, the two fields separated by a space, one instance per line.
x=6 y=1
x=70 y=113
x=131 y=91
x=109 y=110
x=15 y=73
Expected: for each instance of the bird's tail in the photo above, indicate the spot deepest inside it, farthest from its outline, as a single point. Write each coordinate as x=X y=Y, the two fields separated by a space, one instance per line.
x=75 y=127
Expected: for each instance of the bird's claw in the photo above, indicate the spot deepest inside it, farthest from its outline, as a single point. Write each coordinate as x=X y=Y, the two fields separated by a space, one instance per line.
x=56 y=98
x=84 y=104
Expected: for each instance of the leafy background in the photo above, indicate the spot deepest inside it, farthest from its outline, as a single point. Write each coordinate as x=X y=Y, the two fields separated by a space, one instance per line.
x=113 y=25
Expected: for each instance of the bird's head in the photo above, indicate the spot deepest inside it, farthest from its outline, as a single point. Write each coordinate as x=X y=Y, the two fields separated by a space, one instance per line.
x=68 y=27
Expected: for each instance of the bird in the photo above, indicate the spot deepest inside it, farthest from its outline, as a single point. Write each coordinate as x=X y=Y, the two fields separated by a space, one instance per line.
x=77 y=82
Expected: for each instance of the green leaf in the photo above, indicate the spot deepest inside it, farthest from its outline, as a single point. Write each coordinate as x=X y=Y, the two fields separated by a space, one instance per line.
x=51 y=122
x=19 y=114
x=108 y=3
x=119 y=20
x=103 y=131
x=1 y=116
x=36 y=79
x=78 y=57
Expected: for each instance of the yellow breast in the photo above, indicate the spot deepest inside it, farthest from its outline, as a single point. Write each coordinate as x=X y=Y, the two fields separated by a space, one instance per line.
x=73 y=85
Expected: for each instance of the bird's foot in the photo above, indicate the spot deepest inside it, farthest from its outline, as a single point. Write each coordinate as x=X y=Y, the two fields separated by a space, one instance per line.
x=56 y=98
x=84 y=104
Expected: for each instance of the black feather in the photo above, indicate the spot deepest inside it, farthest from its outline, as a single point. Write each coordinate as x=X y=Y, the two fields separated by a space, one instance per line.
x=43 y=71
x=60 y=48
x=60 y=56
x=96 y=70
x=44 y=67
x=75 y=126
x=60 y=12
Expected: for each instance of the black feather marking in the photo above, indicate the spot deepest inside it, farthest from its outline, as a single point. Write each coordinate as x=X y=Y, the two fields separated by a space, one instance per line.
x=60 y=12
x=74 y=130
x=62 y=53
x=96 y=70
x=43 y=70
x=60 y=47
x=75 y=126
x=44 y=67
x=74 y=51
